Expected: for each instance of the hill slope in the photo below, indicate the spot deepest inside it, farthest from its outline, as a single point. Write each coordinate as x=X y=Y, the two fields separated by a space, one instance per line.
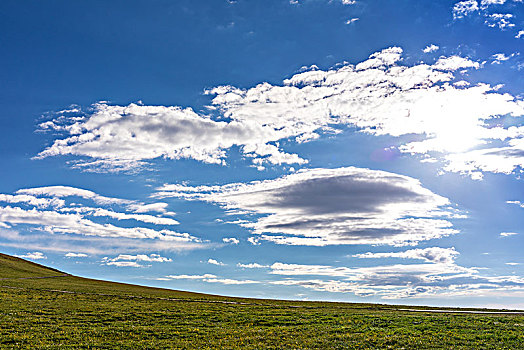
x=67 y=311
x=13 y=267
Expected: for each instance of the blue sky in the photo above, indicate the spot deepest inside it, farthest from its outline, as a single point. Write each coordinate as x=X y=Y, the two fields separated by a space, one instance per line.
x=367 y=151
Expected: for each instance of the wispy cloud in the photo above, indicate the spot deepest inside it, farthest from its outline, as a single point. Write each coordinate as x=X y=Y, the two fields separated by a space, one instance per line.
x=209 y=278
x=33 y=256
x=50 y=210
x=231 y=240
x=252 y=266
x=507 y=234
x=433 y=254
x=126 y=260
x=472 y=8
x=76 y=255
x=439 y=277
x=215 y=262
x=397 y=281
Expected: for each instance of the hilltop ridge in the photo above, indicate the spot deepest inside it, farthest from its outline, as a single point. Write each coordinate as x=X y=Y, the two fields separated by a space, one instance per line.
x=14 y=267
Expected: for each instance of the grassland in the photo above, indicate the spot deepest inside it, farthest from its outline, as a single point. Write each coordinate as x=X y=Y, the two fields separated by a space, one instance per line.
x=63 y=311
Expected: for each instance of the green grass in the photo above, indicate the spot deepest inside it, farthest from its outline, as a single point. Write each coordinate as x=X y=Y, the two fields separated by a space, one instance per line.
x=73 y=312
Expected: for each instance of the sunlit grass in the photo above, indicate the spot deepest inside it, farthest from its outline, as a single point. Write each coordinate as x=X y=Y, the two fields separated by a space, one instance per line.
x=38 y=313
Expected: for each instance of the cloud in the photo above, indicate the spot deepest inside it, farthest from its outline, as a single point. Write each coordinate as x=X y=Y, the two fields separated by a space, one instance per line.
x=519 y=34
x=49 y=211
x=56 y=222
x=215 y=262
x=76 y=255
x=67 y=191
x=352 y=20
x=122 y=216
x=33 y=256
x=252 y=266
x=500 y=20
x=433 y=254
x=396 y=281
x=190 y=277
x=209 y=278
x=126 y=260
x=231 y=240
x=94 y=245
x=454 y=63
x=508 y=234
x=513 y=263
x=470 y=8
x=122 y=137
x=378 y=96
x=437 y=278
x=331 y=206
x=487 y=3
x=464 y=8
x=500 y=57
x=31 y=200
x=430 y=48
x=146 y=208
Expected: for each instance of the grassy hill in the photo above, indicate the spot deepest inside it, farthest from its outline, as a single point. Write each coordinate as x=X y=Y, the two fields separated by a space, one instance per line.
x=13 y=267
x=61 y=310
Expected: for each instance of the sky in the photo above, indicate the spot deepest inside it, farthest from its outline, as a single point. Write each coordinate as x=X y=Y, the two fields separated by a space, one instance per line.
x=340 y=150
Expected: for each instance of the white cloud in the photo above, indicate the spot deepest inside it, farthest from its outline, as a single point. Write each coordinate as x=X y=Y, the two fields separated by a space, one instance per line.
x=507 y=234
x=49 y=211
x=122 y=216
x=31 y=200
x=95 y=245
x=252 y=266
x=396 y=281
x=331 y=206
x=438 y=278
x=190 y=277
x=471 y=8
x=55 y=222
x=124 y=264
x=464 y=8
x=352 y=20
x=33 y=256
x=67 y=191
x=146 y=208
x=430 y=48
x=215 y=262
x=231 y=240
x=76 y=255
x=142 y=257
x=378 y=96
x=121 y=137
x=253 y=240
x=500 y=57
x=127 y=260
x=209 y=278
x=513 y=263
x=520 y=204
x=453 y=63
x=500 y=20
x=433 y=254
x=230 y=281
x=519 y=34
